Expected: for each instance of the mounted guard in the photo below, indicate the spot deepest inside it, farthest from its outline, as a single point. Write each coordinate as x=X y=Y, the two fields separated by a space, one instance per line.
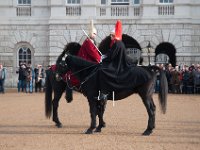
x=88 y=51
x=117 y=70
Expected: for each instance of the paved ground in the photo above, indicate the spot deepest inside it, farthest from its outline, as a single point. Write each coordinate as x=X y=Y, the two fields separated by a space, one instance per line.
x=23 y=125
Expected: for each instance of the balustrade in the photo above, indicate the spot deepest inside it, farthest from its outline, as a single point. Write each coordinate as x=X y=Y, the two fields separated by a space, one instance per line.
x=166 y=10
x=73 y=10
x=23 y=11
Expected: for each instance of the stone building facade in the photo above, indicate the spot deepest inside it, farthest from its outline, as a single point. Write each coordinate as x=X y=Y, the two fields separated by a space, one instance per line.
x=36 y=31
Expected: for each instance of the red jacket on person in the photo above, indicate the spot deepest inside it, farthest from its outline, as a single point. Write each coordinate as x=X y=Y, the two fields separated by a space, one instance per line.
x=89 y=52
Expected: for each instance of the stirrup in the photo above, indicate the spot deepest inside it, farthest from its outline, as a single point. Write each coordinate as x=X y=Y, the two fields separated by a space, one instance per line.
x=102 y=96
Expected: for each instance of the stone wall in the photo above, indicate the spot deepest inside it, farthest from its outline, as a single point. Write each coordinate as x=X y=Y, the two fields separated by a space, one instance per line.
x=49 y=29
x=14 y=36
x=184 y=37
x=47 y=42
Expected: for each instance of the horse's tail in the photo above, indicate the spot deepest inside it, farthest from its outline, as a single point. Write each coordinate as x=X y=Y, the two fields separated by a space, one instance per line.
x=162 y=95
x=48 y=95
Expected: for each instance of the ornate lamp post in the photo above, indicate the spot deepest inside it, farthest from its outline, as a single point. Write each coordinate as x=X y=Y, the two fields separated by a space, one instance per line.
x=149 y=47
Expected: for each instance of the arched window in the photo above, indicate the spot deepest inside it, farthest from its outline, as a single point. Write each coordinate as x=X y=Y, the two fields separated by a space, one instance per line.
x=24 y=55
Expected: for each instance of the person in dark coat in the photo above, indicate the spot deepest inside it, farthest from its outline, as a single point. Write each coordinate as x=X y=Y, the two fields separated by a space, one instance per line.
x=116 y=71
x=22 y=77
x=2 y=78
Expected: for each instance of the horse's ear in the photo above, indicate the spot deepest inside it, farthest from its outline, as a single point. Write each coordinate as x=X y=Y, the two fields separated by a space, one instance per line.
x=66 y=59
x=66 y=49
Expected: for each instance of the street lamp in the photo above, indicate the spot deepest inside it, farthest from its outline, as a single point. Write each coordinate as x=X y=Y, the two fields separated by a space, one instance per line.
x=149 y=47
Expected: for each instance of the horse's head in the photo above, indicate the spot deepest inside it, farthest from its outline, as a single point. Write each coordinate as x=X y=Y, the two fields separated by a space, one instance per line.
x=62 y=67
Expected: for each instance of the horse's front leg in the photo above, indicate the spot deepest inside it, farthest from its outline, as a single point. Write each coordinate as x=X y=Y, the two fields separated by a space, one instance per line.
x=93 y=114
x=55 y=103
x=101 y=106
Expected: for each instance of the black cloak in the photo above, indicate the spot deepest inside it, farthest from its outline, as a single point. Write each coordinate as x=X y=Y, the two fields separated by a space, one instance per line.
x=117 y=72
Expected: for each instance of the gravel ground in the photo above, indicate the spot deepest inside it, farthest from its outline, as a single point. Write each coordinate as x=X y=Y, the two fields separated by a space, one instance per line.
x=23 y=125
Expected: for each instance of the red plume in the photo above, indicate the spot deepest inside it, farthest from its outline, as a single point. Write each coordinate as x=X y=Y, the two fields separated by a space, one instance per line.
x=118 y=30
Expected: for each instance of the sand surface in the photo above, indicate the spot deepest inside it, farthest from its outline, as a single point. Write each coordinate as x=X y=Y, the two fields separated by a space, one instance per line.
x=23 y=125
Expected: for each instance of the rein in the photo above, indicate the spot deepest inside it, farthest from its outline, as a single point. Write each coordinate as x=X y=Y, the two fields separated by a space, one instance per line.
x=68 y=77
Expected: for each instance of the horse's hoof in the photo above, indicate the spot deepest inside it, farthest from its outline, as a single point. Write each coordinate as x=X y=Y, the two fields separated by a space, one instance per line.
x=97 y=130
x=89 y=131
x=104 y=125
x=69 y=100
x=59 y=125
x=147 y=132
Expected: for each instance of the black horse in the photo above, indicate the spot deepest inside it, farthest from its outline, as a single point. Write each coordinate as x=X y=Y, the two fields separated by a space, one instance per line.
x=57 y=86
x=86 y=72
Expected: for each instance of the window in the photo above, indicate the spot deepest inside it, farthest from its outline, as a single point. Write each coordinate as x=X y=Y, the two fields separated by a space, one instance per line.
x=133 y=53
x=24 y=2
x=73 y=1
x=73 y=8
x=24 y=55
x=119 y=2
x=136 y=1
x=166 y=1
x=162 y=59
x=103 y=2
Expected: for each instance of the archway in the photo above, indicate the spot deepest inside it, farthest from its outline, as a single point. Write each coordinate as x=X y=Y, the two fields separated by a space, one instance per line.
x=162 y=51
x=133 y=49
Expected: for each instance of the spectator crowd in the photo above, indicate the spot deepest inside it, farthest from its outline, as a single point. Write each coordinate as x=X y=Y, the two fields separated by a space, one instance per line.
x=182 y=79
x=29 y=77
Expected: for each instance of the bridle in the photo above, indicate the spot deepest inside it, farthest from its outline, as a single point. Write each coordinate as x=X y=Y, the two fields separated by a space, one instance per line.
x=77 y=72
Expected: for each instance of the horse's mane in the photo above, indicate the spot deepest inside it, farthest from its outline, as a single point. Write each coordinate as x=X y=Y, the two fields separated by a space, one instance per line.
x=72 y=48
x=80 y=67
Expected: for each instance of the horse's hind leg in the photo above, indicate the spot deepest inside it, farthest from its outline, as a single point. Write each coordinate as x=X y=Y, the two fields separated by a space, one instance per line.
x=150 y=107
x=153 y=114
x=146 y=93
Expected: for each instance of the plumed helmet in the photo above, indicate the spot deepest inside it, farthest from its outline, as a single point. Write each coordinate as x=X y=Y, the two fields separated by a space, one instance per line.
x=92 y=29
x=118 y=30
